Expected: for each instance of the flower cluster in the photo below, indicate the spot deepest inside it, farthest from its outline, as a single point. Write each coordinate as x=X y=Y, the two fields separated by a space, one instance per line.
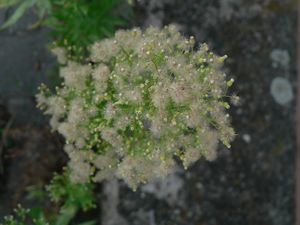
x=144 y=99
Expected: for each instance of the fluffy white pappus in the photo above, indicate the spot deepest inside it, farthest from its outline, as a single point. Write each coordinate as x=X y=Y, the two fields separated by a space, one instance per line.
x=138 y=70
x=104 y=174
x=134 y=95
x=80 y=171
x=106 y=165
x=110 y=110
x=55 y=106
x=191 y=155
x=109 y=159
x=122 y=69
x=216 y=81
x=178 y=66
x=158 y=124
x=174 y=39
x=209 y=142
x=201 y=54
x=80 y=142
x=54 y=122
x=122 y=121
x=69 y=148
x=144 y=51
x=165 y=167
x=128 y=39
x=227 y=136
x=211 y=155
x=135 y=170
x=60 y=54
x=193 y=117
x=218 y=113
x=160 y=96
x=75 y=75
x=68 y=130
x=101 y=73
x=180 y=92
x=144 y=98
x=77 y=113
x=187 y=44
x=42 y=100
x=111 y=136
x=91 y=111
x=104 y=50
x=152 y=30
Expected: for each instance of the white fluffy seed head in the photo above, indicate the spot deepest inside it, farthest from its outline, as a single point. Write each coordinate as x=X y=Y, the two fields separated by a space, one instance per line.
x=145 y=98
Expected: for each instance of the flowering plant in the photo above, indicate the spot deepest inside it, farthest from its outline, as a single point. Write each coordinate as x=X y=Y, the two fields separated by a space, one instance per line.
x=74 y=24
x=68 y=197
x=144 y=98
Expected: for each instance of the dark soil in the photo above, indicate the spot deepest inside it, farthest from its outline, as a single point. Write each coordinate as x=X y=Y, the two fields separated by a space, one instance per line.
x=30 y=156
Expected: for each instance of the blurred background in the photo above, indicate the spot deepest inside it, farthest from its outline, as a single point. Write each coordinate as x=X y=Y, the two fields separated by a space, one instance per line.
x=252 y=183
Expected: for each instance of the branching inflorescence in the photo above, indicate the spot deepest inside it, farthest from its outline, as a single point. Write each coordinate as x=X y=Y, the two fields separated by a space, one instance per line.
x=144 y=99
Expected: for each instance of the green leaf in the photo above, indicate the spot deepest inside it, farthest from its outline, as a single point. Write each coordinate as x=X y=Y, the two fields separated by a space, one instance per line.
x=79 y=23
x=67 y=214
x=18 y=13
x=44 y=7
x=79 y=195
x=37 y=216
x=36 y=212
x=230 y=82
x=88 y=223
x=225 y=105
x=36 y=192
x=8 y=3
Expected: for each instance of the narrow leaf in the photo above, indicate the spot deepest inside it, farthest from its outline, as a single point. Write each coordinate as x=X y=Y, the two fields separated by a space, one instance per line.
x=18 y=13
x=66 y=215
x=88 y=223
x=8 y=3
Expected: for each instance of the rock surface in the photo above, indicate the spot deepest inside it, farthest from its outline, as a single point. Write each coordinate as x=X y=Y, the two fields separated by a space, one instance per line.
x=253 y=183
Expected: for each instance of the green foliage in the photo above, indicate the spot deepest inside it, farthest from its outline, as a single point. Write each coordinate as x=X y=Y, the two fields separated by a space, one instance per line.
x=62 y=190
x=75 y=24
x=70 y=197
x=44 y=7
x=8 y=3
x=25 y=216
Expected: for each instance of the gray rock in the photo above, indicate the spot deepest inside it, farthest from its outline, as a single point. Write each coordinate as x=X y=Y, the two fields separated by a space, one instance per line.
x=281 y=90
